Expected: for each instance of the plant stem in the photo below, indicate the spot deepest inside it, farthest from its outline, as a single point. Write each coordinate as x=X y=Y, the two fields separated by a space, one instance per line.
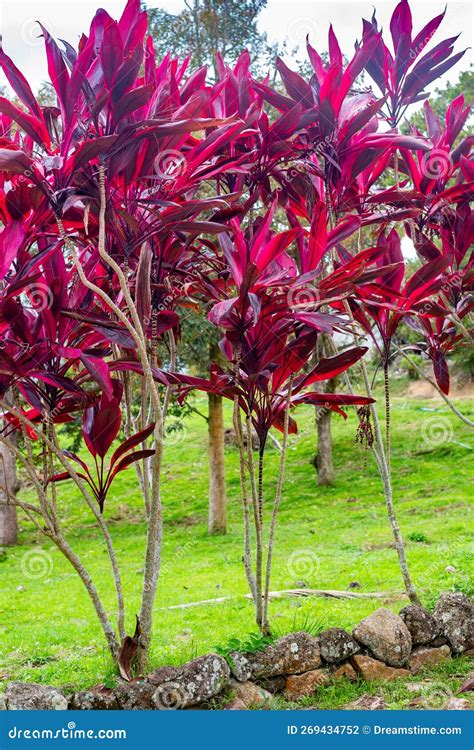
x=276 y=506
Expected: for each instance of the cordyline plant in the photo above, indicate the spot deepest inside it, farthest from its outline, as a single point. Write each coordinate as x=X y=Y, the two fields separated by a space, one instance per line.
x=268 y=346
x=99 y=235
x=144 y=187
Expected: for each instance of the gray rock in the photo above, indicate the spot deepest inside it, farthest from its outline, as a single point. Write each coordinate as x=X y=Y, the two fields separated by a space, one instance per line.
x=162 y=674
x=3 y=705
x=386 y=636
x=440 y=640
x=421 y=624
x=240 y=666
x=96 y=699
x=455 y=615
x=336 y=645
x=27 y=696
x=291 y=654
x=194 y=682
x=134 y=696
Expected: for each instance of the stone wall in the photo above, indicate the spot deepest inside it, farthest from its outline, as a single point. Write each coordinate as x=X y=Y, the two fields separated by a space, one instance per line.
x=384 y=646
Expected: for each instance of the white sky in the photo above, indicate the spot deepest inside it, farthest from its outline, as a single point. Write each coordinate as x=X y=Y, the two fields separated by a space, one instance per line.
x=281 y=19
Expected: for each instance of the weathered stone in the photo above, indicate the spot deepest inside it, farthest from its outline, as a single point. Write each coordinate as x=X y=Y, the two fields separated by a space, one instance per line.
x=421 y=624
x=469 y=653
x=336 y=645
x=273 y=684
x=428 y=657
x=3 y=705
x=347 y=671
x=291 y=654
x=251 y=695
x=22 y=696
x=372 y=669
x=194 y=682
x=367 y=703
x=235 y=705
x=386 y=636
x=455 y=615
x=162 y=674
x=457 y=704
x=440 y=640
x=96 y=699
x=303 y=685
x=240 y=666
x=134 y=696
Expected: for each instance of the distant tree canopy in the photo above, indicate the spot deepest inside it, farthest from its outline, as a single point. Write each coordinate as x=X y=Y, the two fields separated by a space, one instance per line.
x=207 y=26
x=443 y=97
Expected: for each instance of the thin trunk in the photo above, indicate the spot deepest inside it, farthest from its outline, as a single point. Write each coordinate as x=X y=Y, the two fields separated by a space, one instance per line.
x=276 y=507
x=323 y=460
x=383 y=464
x=8 y=489
x=324 y=456
x=388 y=441
x=247 y=557
x=217 y=484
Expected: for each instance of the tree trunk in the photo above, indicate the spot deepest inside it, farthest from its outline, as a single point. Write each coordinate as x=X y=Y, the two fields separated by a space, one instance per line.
x=8 y=487
x=323 y=460
x=217 y=485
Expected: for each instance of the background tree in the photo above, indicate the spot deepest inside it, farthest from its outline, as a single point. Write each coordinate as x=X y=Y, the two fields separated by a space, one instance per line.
x=198 y=349
x=205 y=27
x=443 y=97
x=8 y=488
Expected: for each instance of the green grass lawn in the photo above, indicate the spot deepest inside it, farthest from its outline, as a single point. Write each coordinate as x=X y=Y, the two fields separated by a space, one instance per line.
x=327 y=537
